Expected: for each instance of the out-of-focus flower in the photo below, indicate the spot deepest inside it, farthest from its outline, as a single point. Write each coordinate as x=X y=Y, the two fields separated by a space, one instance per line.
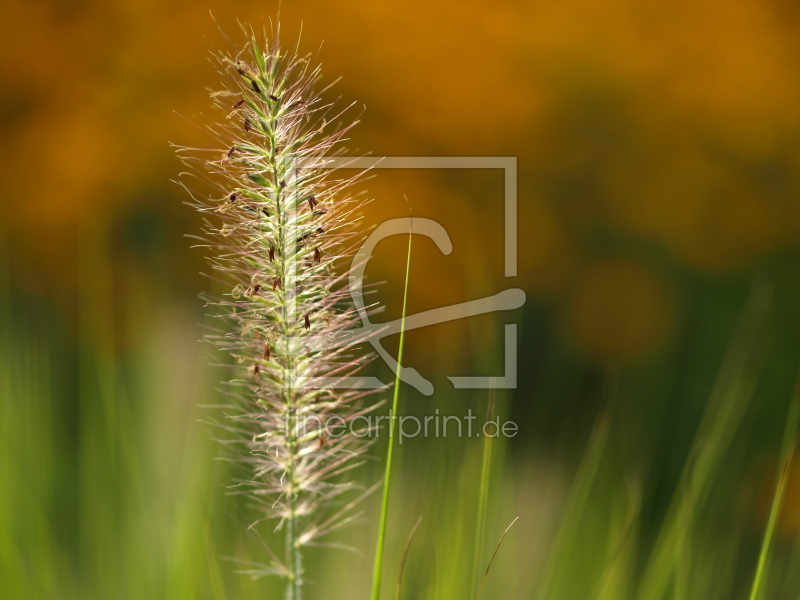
x=617 y=309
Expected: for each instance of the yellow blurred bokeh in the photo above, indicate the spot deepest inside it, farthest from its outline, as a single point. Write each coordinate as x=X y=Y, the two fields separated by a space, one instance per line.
x=675 y=125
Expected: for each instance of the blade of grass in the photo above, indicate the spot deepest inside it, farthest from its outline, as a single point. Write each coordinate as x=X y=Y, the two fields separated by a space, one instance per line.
x=617 y=571
x=214 y=574
x=483 y=499
x=575 y=507
x=491 y=560
x=757 y=591
x=557 y=565
x=730 y=397
x=403 y=558
x=377 y=571
x=788 y=446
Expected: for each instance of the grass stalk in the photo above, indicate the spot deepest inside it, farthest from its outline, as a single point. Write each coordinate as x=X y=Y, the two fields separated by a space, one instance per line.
x=281 y=221
x=730 y=397
x=577 y=502
x=788 y=446
x=403 y=557
x=483 y=500
x=377 y=571
x=491 y=560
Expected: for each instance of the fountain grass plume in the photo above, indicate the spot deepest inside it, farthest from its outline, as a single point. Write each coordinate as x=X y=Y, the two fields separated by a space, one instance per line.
x=281 y=222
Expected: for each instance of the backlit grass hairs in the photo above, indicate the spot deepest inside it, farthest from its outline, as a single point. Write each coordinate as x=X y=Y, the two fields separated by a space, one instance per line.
x=279 y=221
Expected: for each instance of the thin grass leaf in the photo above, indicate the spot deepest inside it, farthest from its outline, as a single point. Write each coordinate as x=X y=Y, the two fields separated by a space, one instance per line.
x=788 y=446
x=483 y=499
x=491 y=560
x=402 y=566
x=729 y=399
x=378 y=567
x=214 y=574
x=616 y=575
x=575 y=507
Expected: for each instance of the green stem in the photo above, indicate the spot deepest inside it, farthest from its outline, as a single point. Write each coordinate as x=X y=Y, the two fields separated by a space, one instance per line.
x=483 y=500
x=294 y=559
x=787 y=454
x=378 y=568
x=284 y=205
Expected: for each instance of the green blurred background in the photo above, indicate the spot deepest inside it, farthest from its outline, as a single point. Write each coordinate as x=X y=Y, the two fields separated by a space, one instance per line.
x=658 y=146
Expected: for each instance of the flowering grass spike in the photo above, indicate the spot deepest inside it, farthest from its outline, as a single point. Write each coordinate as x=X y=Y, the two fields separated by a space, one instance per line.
x=280 y=221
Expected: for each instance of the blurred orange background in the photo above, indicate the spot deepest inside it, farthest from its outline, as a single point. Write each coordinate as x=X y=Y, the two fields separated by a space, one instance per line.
x=672 y=125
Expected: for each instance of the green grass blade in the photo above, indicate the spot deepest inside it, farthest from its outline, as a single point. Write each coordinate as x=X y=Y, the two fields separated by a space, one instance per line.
x=618 y=570
x=214 y=573
x=729 y=400
x=403 y=557
x=787 y=454
x=491 y=560
x=557 y=563
x=378 y=568
x=757 y=591
x=483 y=500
